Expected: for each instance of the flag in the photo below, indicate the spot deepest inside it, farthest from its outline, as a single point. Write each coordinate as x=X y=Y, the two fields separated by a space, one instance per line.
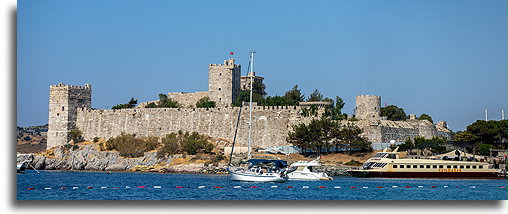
x=231 y=53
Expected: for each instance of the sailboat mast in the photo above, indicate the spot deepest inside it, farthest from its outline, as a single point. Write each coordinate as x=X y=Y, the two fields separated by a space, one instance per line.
x=250 y=102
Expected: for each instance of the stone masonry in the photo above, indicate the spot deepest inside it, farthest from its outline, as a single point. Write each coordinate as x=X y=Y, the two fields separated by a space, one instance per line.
x=224 y=82
x=70 y=107
x=64 y=101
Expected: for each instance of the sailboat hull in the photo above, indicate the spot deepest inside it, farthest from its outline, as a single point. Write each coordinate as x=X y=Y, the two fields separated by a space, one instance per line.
x=252 y=177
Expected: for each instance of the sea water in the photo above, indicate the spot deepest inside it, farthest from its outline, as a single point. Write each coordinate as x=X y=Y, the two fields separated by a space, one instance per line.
x=78 y=185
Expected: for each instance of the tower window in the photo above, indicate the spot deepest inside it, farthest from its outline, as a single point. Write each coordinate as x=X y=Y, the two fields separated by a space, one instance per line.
x=219 y=89
x=220 y=74
x=63 y=108
x=57 y=114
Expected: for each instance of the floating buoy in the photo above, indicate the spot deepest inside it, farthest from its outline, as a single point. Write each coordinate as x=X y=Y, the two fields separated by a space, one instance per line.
x=365 y=187
x=274 y=186
x=321 y=187
x=179 y=187
x=63 y=187
x=337 y=187
x=503 y=187
x=47 y=188
x=290 y=186
x=127 y=187
x=352 y=187
x=30 y=188
x=394 y=186
x=217 y=187
x=116 y=187
x=75 y=187
x=472 y=187
x=156 y=187
x=420 y=186
x=445 y=186
x=237 y=187
x=305 y=187
x=253 y=187
x=104 y=187
x=379 y=187
x=141 y=186
x=433 y=186
x=201 y=187
x=89 y=187
x=408 y=187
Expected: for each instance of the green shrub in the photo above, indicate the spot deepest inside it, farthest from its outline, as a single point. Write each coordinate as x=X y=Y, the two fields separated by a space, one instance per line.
x=130 y=146
x=205 y=102
x=484 y=149
x=353 y=163
x=185 y=143
x=76 y=136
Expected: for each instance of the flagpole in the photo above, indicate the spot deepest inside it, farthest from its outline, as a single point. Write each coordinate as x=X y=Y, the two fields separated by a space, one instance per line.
x=250 y=103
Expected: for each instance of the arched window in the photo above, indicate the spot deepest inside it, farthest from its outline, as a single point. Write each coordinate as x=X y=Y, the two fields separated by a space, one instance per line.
x=63 y=108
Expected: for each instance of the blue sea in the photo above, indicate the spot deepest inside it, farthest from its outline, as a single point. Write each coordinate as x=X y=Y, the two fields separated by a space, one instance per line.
x=70 y=185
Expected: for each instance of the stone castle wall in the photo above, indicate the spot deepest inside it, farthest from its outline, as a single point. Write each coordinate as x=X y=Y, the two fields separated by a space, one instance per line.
x=368 y=107
x=188 y=99
x=64 y=100
x=270 y=124
x=224 y=82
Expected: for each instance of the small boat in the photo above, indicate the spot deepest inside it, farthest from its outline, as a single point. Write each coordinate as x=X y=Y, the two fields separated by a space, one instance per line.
x=389 y=165
x=260 y=170
x=21 y=166
x=303 y=170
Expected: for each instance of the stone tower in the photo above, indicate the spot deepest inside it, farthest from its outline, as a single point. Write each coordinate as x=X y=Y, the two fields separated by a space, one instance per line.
x=63 y=103
x=368 y=107
x=224 y=82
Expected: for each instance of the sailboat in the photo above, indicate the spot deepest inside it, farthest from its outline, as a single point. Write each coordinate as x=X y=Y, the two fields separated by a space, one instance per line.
x=256 y=170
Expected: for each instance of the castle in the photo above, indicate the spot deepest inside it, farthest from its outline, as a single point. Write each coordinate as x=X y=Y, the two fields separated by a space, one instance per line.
x=70 y=107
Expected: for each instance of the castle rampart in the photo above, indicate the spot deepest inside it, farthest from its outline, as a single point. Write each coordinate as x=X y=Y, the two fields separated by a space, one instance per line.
x=270 y=124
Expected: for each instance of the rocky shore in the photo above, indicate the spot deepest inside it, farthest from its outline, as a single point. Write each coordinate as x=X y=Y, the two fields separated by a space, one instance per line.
x=89 y=157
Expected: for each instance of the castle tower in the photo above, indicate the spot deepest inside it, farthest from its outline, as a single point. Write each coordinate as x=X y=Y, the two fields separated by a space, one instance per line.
x=245 y=82
x=368 y=107
x=63 y=103
x=224 y=82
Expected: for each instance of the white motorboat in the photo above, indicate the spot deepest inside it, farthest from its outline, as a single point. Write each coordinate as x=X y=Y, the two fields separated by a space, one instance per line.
x=303 y=170
x=260 y=170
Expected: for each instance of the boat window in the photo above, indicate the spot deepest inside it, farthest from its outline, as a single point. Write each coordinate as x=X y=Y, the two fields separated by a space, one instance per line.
x=394 y=166
x=380 y=155
x=462 y=166
x=480 y=167
x=455 y=166
x=434 y=166
x=421 y=166
x=391 y=156
x=427 y=166
x=468 y=167
x=448 y=166
x=415 y=166
x=401 y=166
x=474 y=167
x=408 y=166
x=440 y=166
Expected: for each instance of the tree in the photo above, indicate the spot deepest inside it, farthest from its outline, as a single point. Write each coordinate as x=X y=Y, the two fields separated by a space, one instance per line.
x=131 y=104
x=490 y=132
x=350 y=135
x=294 y=96
x=259 y=88
x=205 y=102
x=465 y=136
x=393 y=113
x=425 y=117
x=335 y=113
x=167 y=102
x=76 y=135
x=315 y=96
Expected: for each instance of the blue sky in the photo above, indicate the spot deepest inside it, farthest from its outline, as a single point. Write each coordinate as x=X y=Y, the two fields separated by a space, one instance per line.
x=446 y=58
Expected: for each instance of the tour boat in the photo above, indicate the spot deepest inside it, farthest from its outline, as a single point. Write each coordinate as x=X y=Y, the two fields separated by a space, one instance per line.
x=260 y=170
x=388 y=164
x=303 y=170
